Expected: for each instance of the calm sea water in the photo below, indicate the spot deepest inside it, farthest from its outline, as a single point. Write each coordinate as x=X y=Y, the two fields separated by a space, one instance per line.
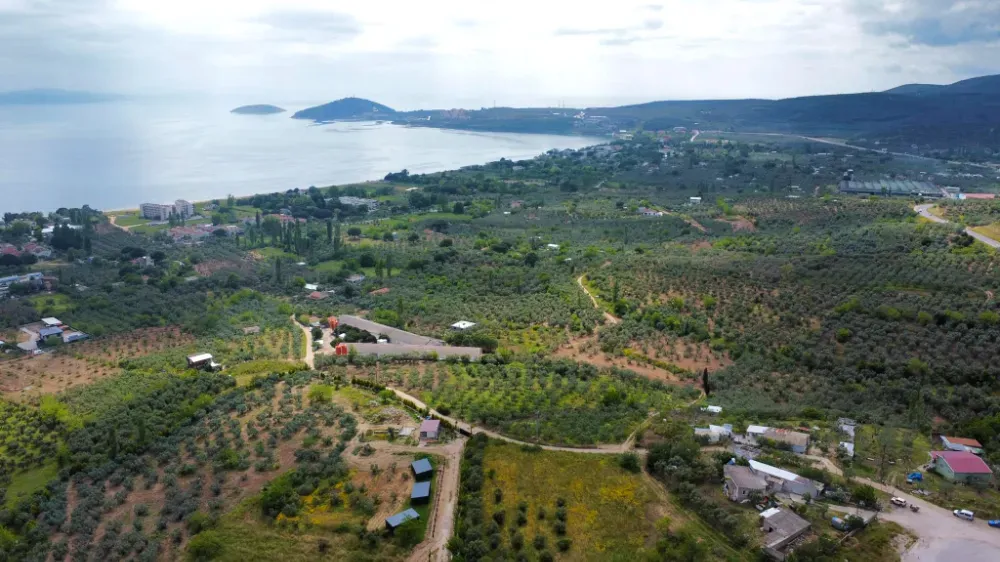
x=114 y=156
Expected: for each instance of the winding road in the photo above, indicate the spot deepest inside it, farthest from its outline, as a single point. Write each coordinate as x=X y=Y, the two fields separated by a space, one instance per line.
x=924 y=211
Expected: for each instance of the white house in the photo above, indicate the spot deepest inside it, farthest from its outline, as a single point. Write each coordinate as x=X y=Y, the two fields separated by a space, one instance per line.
x=463 y=325
x=712 y=409
x=695 y=200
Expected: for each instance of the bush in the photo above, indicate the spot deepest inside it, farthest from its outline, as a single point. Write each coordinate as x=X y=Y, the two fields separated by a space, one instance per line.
x=629 y=461
x=564 y=544
x=539 y=542
x=198 y=522
x=206 y=546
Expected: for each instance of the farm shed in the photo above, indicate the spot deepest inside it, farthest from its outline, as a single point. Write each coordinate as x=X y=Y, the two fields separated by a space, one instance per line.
x=961 y=466
x=781 y=526
x=429 y=430
x=402 y=517
x=422 y=469
x=395 y=335
x=421 y=492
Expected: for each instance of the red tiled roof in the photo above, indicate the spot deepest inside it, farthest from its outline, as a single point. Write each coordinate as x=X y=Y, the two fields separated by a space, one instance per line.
x=962 y=462
x=964 y=441
x=381 y=291
x=316 y=295
x=980 y=196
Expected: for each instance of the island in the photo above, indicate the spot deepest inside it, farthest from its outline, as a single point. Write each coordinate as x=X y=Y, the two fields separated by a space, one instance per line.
x=352 y=109
x=258 y=109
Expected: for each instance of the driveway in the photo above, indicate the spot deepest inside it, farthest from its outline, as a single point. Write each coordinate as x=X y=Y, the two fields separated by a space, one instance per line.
x=942 y=537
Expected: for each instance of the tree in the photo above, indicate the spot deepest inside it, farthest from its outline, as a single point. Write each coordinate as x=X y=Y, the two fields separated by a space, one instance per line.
x=277 y=269
x=354 y=231
x=329 y=231
x=530 y=259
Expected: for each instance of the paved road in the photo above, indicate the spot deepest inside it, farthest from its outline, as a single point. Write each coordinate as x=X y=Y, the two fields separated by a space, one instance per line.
x=924 y=211
x=942 y=536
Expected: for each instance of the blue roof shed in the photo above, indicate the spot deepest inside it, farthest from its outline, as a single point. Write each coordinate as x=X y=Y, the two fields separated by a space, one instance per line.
x=53 y=331
x=421 y=492
x=400 y=518
x=422 y=469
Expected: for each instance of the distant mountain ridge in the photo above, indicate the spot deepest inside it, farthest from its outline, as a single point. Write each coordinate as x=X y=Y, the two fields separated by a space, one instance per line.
x=346 y=108
x=980 y=85
x=43 y=96
x=258 y=109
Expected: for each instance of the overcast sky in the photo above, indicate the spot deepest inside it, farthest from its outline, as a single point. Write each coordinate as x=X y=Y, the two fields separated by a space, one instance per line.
x=460 y=53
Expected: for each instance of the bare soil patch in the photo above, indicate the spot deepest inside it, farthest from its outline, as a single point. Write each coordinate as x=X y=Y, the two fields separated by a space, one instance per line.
x=741 y=224
x=47 y=374
x=587 y=350
x=136 y=343
x=207 y=268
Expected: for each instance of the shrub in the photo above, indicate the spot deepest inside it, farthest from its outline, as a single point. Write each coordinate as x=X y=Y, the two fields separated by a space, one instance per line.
x=206 y=546
x=539 y=542
x=564 y=544
x=629 y=461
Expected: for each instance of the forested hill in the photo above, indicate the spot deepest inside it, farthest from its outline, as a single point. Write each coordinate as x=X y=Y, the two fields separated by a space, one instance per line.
x=258 y=109
x=346 y=108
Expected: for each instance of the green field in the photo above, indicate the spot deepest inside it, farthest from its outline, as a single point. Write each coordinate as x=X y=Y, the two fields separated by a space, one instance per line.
x=610 y=513
x=51 y=305
x=25 y=483
x=130 y=220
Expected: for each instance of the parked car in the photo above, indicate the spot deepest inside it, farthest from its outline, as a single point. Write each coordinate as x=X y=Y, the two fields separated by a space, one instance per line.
x=964 y=514
x=898 y=501
x=993 y=522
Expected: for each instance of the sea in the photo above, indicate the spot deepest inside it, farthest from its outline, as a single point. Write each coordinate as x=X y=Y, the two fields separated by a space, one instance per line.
x=118 y=155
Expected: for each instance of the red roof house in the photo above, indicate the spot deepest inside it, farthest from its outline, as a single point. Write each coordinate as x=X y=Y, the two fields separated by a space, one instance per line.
x=961 y=466
x=317 y=296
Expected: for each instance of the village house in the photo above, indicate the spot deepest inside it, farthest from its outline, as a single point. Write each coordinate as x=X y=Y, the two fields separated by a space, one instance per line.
x=781 y=526
x=961 y=466
x=962 y=444
x=781 y=480
x=430 y=430
x=714 y=433
x=740 y=482
x=402 y=517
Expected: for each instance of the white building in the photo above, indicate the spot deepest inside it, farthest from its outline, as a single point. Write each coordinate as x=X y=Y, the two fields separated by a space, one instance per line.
x=462 y=325
x=351 y=201
x=162 y=211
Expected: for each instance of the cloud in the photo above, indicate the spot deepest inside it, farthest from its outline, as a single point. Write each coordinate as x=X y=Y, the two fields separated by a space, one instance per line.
x=570 y=31
x=309 y=25
x=652 y=24
x=933 y=23
x=653 y=7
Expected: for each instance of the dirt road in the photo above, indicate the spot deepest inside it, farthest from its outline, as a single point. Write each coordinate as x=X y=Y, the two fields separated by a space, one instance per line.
x=611 y=319
x=942 y=536
x=310 y=357
x=924 y=211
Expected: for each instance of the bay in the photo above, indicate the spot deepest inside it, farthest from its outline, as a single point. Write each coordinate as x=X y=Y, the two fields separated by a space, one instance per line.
x=114 y=156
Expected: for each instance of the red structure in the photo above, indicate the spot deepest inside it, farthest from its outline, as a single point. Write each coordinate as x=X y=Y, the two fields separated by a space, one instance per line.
x=341 y=349
x=333 y=322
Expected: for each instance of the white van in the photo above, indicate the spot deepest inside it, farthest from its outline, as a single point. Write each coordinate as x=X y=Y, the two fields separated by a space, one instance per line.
x=964 y=514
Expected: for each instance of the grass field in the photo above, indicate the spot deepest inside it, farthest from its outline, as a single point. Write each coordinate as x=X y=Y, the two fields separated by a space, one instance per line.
x=50 y=305
x=244 y=536
x=130 y=220
x=26 y=483
x=611 y=514
x=991 y=230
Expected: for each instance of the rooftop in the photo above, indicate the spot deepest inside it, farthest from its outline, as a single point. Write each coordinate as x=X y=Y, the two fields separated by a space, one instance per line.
x=781 y=524
x=50 y=321
x=421 y=466
x=963 y=462
x=743 y=477
x=421 y=490
x=50 y=331
x=964 y=441
x=430 y=426
x=199 y=357
x=395 y=335
x=463 y=325
x=402 y=517
x=787 y=436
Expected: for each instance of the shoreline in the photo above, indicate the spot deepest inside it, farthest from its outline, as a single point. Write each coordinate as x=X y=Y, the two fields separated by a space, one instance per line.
x=128 y=210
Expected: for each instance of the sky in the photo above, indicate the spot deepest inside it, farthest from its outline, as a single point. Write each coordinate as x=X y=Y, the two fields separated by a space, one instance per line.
x=457 y=53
